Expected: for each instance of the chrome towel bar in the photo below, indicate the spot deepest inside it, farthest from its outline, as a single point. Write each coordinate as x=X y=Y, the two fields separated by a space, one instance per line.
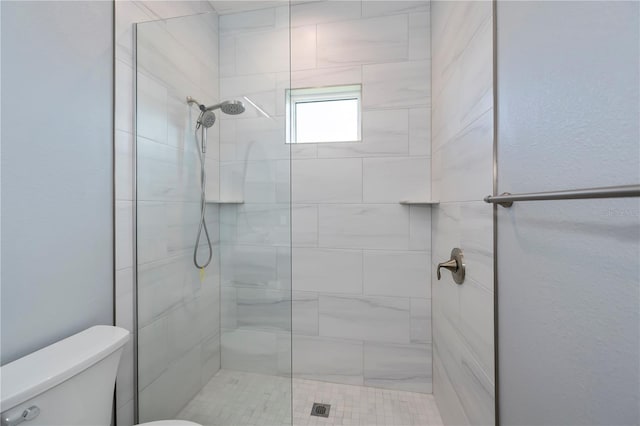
x=506 y=199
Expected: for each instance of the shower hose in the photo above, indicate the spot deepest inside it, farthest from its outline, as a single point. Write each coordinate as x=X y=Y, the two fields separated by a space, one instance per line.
x=201 y=148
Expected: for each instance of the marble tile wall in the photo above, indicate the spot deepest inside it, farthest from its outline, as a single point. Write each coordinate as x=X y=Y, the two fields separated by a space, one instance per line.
x=178 y=319
x=462 y=120
x=360 y=262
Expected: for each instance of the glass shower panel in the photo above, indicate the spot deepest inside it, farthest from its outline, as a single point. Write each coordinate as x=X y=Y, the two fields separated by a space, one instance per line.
x=255 y=214
x=208 y=335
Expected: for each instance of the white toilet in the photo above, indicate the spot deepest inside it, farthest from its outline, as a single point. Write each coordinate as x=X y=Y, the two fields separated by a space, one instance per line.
x=68 y=383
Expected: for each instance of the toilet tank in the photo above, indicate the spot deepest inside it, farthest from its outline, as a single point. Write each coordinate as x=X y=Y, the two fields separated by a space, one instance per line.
x=70 y=382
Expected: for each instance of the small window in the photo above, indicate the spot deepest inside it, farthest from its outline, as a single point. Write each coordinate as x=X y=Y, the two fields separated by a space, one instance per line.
x=325 y=114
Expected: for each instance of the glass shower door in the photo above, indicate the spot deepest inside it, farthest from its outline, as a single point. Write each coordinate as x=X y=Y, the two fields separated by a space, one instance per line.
x=213 y=342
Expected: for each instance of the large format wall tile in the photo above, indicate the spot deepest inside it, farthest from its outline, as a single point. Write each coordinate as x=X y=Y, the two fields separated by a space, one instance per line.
x=421 y=320
x=420 y=131
x=462 y=121
x=389 y=180
x=304 y=313
x=420 y=35
x=396 y=274
x=382 y=319
x=303 y=51
x=327 y=76
x=260 y=309
x=341 y=182
x=420 y=228
x=377 y=8
x=248 y=265
x=304 y=229
x=331 y=360
x=375 y=226
x=173 y=389
x=166 y=173
x=248 y=350
x=250 y=21
x=262 y=52
x=264 y=224
x=321 y=12
x=400 y=84
x=402 y=367
x=327 y=270
x=363 y=41
x=465 y=162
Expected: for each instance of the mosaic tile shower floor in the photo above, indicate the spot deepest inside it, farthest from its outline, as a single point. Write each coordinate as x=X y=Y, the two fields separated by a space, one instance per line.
x=235 y=398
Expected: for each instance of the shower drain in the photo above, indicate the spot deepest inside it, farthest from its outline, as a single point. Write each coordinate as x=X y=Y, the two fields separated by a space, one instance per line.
x=320 y=410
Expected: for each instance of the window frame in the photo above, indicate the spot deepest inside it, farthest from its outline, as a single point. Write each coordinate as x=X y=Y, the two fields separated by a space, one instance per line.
x=341 y=92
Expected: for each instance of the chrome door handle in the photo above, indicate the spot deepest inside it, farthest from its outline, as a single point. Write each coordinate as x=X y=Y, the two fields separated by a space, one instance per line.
x=455 y=265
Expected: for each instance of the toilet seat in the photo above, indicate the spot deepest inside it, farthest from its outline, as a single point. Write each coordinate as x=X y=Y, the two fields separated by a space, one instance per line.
x=169 y=423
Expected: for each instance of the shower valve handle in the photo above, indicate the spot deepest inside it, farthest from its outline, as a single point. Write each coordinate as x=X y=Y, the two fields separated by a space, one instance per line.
x=455 y=265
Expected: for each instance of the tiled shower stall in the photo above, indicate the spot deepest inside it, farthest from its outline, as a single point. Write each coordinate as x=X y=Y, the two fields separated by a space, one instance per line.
x=320 y=273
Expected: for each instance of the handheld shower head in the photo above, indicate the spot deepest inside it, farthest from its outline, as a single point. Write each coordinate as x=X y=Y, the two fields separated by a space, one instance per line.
x=207 y=118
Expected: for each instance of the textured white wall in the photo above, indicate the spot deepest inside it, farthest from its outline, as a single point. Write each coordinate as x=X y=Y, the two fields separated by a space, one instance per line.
x=57 y=226
x=462 y=73
x=568 y=117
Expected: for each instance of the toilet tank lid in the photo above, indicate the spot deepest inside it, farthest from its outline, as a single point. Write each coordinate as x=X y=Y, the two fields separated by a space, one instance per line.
x=39 y=371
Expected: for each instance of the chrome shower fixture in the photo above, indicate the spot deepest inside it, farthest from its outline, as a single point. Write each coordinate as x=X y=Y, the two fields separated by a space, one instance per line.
x=228 y=107
x=206 y=119
x=233 y=107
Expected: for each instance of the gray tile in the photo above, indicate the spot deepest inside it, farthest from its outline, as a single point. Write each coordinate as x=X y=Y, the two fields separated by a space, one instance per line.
x=390 y=7
x=401 y=367
x=466 y=162
x=247 y=265
x=166 y=396
x=375 y=226
x=389 y=180
x=248 y=350
x=264 y=224
x=420 y=320
x=260 y=309
x=381 y=319
x=397 y=273
x=313 y=183
x=304 y=315
x=419 y=36
x=327 y=270
x=393 y=85
x=331 y=360
x=304 y=225
x=420 y=227
x=382 y=39
x=420 y=132
x=311 y=13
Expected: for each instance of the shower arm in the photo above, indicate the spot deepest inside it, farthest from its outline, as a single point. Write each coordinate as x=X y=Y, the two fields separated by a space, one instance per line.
x=191 y=100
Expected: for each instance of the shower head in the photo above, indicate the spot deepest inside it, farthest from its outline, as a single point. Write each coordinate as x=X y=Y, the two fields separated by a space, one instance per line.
x=228 y=107
x=207 y=119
